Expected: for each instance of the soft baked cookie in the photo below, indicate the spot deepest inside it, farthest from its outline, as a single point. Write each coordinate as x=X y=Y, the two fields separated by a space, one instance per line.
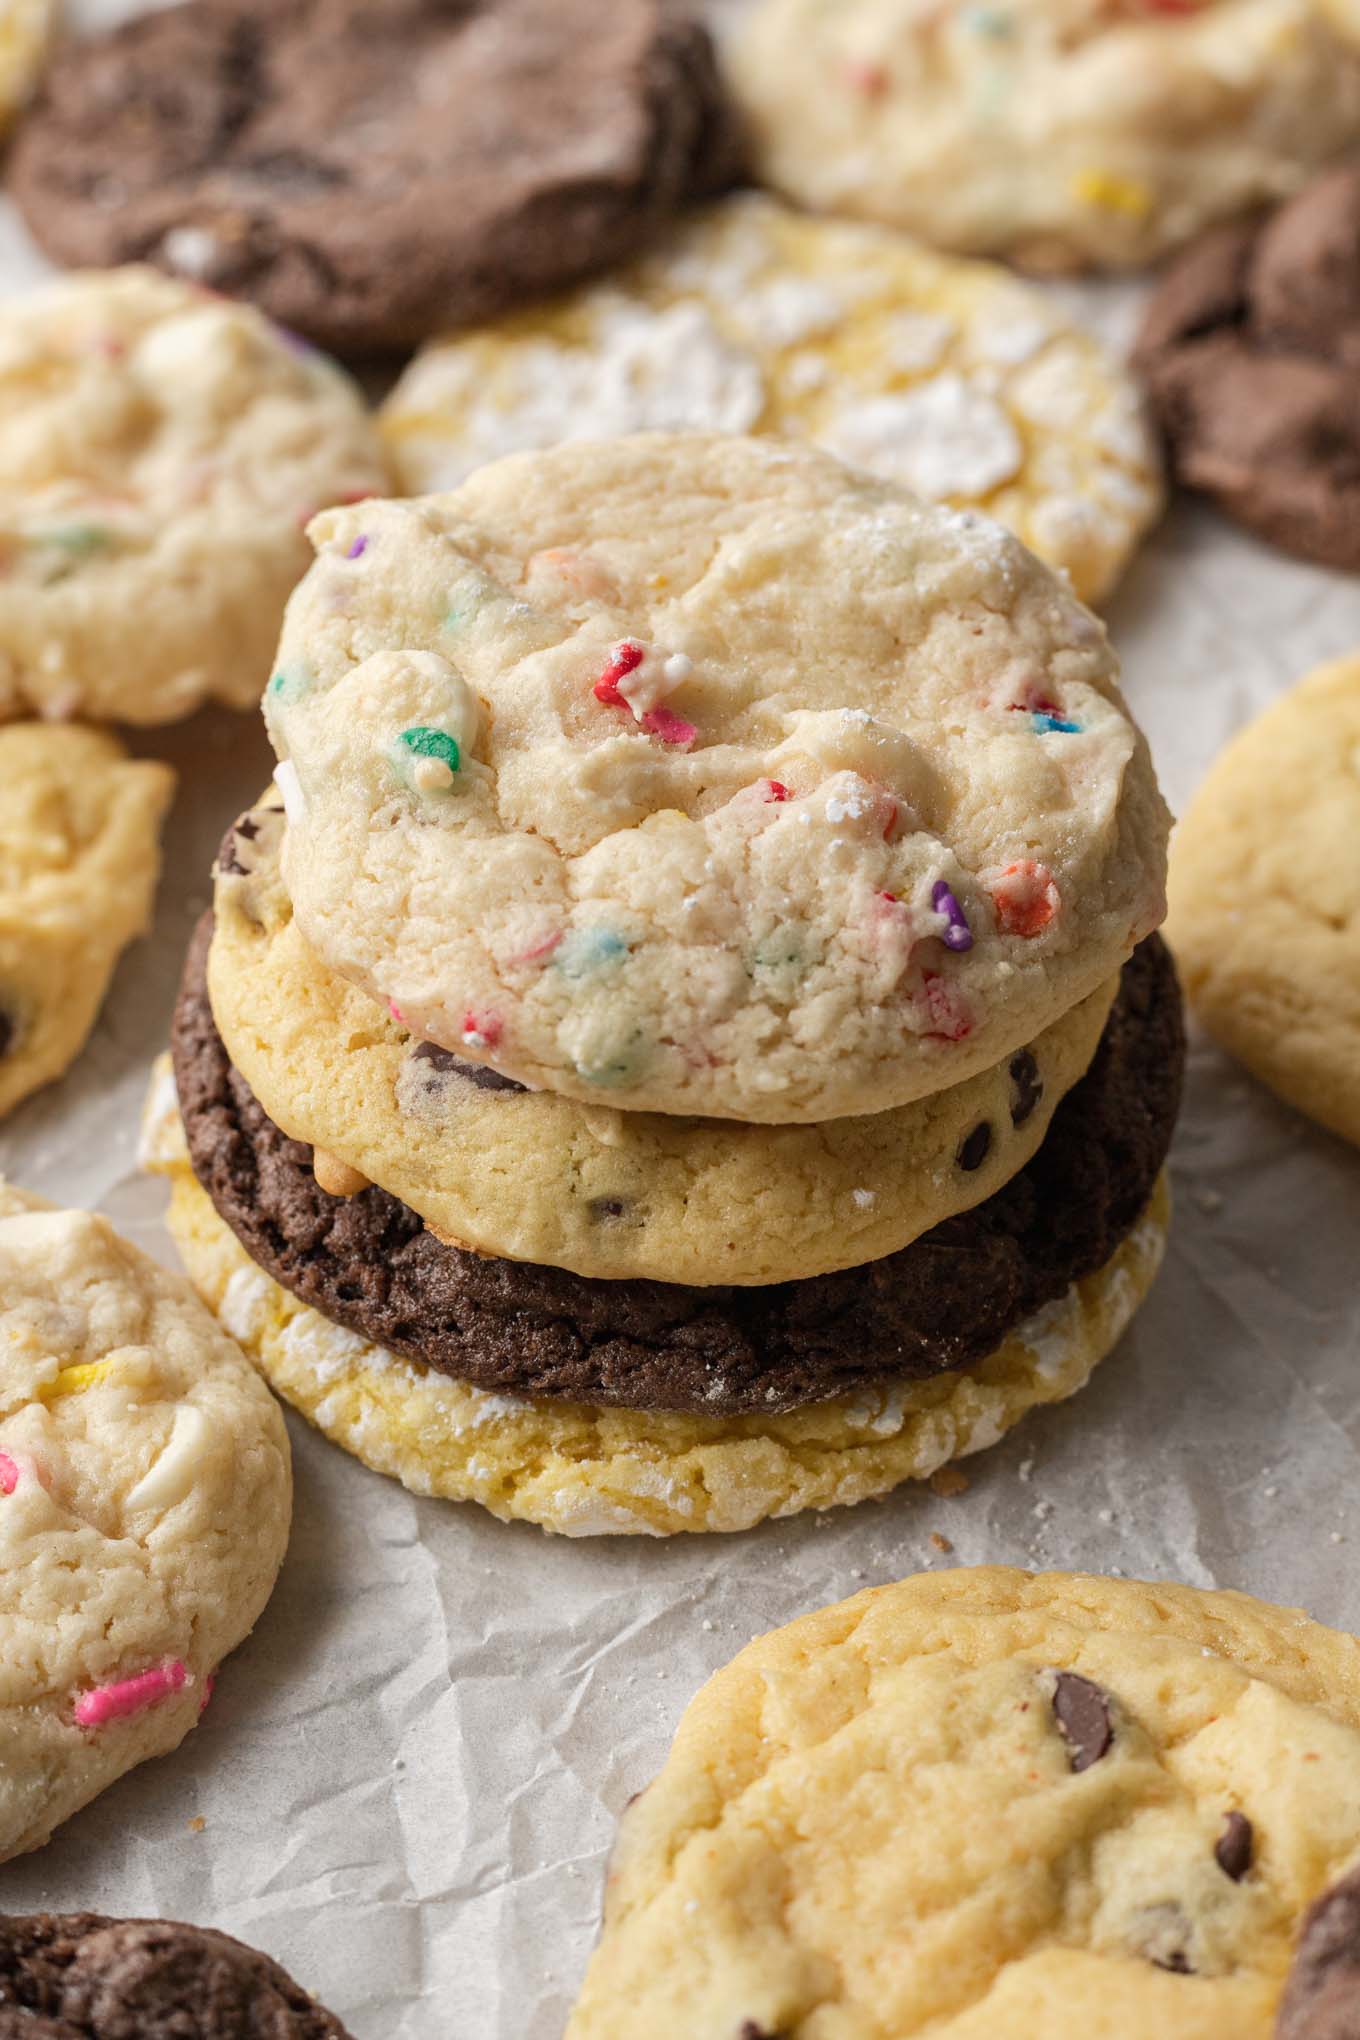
x=144 y=1502
x=588 y=1471
x=989 y=1805
x=80 y=1976
x=706 y=775
x=1251 y=347
x=1265 y=898
x=25 y=30
x=1063 y=133
x=365 y=1260
x=279 y=150
x=949 y=377
x=608 y=1194
x=79 y=861
x=160 y=452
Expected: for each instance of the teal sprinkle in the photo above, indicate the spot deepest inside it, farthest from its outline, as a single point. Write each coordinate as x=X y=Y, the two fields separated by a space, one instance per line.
x=780 y=953
x=619 y=1069
x=587 y=951
x=1055 y=726
x=289 y=684
x=424 y=742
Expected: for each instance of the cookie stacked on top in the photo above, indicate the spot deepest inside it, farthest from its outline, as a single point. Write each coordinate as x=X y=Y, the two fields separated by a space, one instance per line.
x=684 y=1039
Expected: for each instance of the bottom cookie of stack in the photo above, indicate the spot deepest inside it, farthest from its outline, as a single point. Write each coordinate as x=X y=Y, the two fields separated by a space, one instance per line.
x=265 y=1245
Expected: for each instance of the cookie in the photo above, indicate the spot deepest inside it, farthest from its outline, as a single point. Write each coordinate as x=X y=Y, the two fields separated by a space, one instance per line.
x=1061 y=133
x=948 y=377
x=986 y=1804
x=144 y=1503
x=79 y=861
x=275 y=149
x=558 y=791
x=586 y=1471
x=79 y=1976
x=608 y=1194
x=367 y=1262
x=1266 y=898
x=25 y=30
x=1250 y=348
x=160 y=453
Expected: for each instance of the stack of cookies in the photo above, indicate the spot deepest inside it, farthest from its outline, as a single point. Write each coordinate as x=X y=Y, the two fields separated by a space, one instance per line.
x=684 y=1038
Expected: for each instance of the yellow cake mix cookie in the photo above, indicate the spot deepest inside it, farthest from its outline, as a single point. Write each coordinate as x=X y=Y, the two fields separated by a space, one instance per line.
x=993 y=1805
x=594 y=1472
x=950 y=377
x=1265 y=896
x=145 y=1495
x=161 y=451
x=1062 y=133
x=706 y=775
x=79 y=861
x=536 y=1177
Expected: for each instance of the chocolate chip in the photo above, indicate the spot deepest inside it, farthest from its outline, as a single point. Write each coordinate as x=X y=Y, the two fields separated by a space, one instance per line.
x=246 y=830
x=476 y=1074
x=1083 y=1714
x=607 y=1207
x=975 y=1147
x=1322 y=1996
x=1232 y=1850
x=1029 y=1088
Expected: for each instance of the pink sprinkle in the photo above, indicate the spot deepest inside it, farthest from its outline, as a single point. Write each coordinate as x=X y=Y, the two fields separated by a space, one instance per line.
x=623 y=660
x=395 y=1010
x=208 y=1685
x=891 y=823
x=870 y=79
x=482 y=1030
x=774 y=790
x=9 y=1474
x=538 y=950
x=671 y=728
x=947 y=1009
x=130 y=1696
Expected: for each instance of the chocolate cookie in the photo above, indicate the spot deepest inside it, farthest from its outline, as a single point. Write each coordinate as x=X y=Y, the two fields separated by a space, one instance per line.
x=1322 y=1997
x=367 y=1262
x=78 y=1976
x=371 y=173
x=1251 y=349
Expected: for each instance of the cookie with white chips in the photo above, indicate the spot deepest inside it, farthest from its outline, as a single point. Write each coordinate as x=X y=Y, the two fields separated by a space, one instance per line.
x=951 y=377
x=145 y=1494
x=707 y=775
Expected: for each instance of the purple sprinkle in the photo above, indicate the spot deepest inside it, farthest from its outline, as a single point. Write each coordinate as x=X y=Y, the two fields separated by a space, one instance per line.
x=358 y=549
x=958 y=935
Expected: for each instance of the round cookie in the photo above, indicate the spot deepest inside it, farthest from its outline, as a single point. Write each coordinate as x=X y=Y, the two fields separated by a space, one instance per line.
x=1265 y=898
x=608 y=1194
x=1250 y=348
x=949 y=377
x=144 y=1503
x=290 y=161
x=1062 y=133
x=366 y=1261
x=554 y=790
x=160 y=453
x=584 y=1471
x=80 y=1976
x=986 y=1804
x=25 y=30
x=79 y=861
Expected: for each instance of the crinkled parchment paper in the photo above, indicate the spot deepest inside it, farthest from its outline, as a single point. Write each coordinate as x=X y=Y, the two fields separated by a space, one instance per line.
x=407 y=1782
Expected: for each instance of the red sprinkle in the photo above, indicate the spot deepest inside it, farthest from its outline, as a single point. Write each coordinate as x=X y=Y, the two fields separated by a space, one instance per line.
x=544 y=946
x=774 y=790
x=623 y=660
x=1026 y=898
x=671 y=728
x=482 y=1030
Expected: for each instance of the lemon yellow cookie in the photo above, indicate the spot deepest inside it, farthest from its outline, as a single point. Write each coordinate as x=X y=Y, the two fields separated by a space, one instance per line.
x=951 y=377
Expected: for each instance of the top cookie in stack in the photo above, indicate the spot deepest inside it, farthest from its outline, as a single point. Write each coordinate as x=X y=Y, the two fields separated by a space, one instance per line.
x=708 y=959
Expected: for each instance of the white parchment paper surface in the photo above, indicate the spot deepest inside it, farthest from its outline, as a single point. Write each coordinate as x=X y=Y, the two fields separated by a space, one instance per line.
x=407 y=1782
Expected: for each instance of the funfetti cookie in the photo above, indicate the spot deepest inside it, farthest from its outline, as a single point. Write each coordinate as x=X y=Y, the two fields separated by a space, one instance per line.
x=80 y=1976
x=1265 y=898
x=593 y=1407
x=535 y=1177
x=989 y=1805
x=145 y=1494
x=79 y=861
x=706 y=775
x=161 y=451
x=305 y=170
x=25 y=31
x=1062 y=133
x=950 y=377
x=1250 y=347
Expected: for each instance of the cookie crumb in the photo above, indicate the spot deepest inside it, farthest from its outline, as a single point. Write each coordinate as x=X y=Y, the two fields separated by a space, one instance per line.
x=939 y=1543
x=196 y=1825
x=948 y=1481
